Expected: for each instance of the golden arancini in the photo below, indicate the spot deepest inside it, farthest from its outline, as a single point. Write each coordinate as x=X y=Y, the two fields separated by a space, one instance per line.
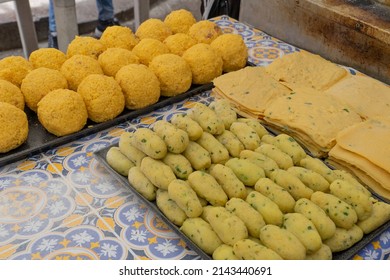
x=173 y=72
x=114 y=59
x=178 y=43
x=13 y=127
x=9 y=93
x=204 y=31
x=149 y=48
x=62 y=112
x=139 y=84
x=76 y=68
x=153 y=28
x=119 y=37
x=233 y=51
x=180 y=21
x=206 y=63
x=47 y=57
x=102 y=96
x=85 y=45
x=40 y=82
x=14 y=69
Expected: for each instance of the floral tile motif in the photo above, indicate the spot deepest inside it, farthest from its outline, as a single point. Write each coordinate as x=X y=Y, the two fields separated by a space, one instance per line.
x=87 y=238
x=33 y=202
x=378 y=249
x=147 y=235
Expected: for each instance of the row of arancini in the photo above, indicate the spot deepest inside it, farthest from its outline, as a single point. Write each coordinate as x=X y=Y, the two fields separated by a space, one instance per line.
x=98 y=78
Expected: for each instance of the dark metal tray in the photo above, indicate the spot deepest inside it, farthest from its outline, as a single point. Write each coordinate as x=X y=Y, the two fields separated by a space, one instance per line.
x=40 y=140
x=343 y=255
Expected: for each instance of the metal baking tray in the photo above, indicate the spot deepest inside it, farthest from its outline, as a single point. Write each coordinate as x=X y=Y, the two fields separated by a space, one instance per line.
x=40 y=140
x=343 y=255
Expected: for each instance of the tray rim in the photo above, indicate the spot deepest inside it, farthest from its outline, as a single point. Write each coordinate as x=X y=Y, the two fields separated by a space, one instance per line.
x=342 y=255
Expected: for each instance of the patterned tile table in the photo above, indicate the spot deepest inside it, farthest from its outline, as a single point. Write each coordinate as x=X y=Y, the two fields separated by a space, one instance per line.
x=62 y=204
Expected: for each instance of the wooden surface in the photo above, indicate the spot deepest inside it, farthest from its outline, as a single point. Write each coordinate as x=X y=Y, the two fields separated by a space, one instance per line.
x=355 y=33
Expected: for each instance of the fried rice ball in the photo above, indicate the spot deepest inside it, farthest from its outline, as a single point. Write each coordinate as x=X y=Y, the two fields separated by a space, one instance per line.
x=206 y=64
x=233 y=51
x=76 y=68
x=180 y=21
x=119 y=37
x=178 y=43
x=204 y=31
x=9 y=93
x=85 y=45
x=14 y=69
x=40 y=82
x=102 y=96
x=149 y=48
x=13 y=127
x=139 y=84
x=153 y=28
x=114 y=59
x=62 y=112
x=173 y=72
x=47 y=57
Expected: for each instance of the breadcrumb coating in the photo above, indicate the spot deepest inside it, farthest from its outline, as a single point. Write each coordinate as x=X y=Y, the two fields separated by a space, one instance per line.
x=114 y=59
x=76 y=68
x=85 y=45
x=14 y=69
x=13 y=127
x=102 y=96
x=178 y=43
x=233 y=51
x=9 y=93
x=204 y=31
x=180 y=21
x=139 y=84
x=119 y=37
x=40 y=82
x=173 y=72
x=153 y=28
x=47 y=57
x=62 y=112
x=149 y=48
x=206 y=64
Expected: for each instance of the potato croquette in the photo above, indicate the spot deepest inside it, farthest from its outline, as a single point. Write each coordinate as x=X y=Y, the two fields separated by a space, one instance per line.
x=149 y=48
x=62 y=112
x=233 y=51
x=11 y=94
x=153 y=28
x=180 y=21
x=47 y=57
x=14 y=69
x=85 y=46
x=76 y=68
x=178 y=43
x=114 y=59
x=102 y=96
x=40 y=82
x=119 y=37
x=205 y=63
x=173 y=72
x=139 y=85
x=13 y=127
x=204 y=31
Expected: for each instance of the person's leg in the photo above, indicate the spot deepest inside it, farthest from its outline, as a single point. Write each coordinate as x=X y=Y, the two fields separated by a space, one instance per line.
x=105 y=9
x=106 y=16
x=52 y=41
